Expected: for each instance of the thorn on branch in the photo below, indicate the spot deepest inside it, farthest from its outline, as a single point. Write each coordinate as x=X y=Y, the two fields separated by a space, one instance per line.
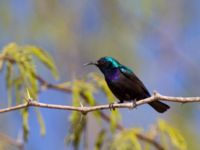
x=83 y=111
x=156 y=95
x=155 y=92
x=28 y=101
x=81 y=105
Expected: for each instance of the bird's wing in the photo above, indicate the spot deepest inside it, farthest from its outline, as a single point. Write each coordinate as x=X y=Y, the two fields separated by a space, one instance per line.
x=130 y=75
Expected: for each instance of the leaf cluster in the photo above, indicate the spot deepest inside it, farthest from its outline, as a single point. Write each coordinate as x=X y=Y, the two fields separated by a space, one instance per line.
x=19 y=62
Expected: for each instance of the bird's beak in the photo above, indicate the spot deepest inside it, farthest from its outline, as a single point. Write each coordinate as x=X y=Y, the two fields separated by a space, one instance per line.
x=91 y=63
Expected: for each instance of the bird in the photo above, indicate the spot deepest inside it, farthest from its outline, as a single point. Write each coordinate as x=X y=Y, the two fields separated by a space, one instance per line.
x=124 y=84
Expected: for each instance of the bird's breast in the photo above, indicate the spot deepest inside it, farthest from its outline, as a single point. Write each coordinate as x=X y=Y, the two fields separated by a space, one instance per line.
x=113 y=76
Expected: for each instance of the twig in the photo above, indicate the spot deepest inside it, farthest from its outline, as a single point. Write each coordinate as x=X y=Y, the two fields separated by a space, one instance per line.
x=8 y=58
x=47 y=85
x=87 y=109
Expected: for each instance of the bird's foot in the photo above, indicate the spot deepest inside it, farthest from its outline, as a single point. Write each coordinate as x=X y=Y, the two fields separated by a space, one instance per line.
x=111 y=107
x=134 y=104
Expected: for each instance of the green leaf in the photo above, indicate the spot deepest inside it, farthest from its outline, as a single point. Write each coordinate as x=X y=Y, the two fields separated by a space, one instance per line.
x=17 y=82
x=44 y=57
x=20 y=76
x=41 y=122
x=76 y=93
x=78 y=124
x=1 y=61
x=28 y=94
x=25 y=116
x=9 y=72
x=88 y=89
x=126 y=139
x=76 y=119
x=100 y=139
x=175 y=136
x=10 y=48
x=115 y=117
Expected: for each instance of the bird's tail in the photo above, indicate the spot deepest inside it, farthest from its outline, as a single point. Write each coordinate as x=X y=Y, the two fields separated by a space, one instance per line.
x=159 y=106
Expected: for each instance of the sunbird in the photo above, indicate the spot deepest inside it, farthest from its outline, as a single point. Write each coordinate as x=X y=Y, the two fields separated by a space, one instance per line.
x=124 y=84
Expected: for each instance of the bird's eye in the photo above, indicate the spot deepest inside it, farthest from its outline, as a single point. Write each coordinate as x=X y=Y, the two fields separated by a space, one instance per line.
x=105 y=64
x=108 y=64
x=101 y=63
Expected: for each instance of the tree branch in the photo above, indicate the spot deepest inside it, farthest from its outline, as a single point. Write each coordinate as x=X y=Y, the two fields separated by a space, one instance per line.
x=85 y=109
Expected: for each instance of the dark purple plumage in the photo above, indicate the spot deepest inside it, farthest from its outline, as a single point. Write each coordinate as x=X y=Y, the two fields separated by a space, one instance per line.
x=124 y=84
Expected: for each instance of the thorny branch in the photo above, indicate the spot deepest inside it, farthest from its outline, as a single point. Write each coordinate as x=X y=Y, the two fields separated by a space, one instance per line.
x=85 y=109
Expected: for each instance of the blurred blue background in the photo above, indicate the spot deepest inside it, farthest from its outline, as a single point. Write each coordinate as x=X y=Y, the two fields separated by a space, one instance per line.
x=158 y=39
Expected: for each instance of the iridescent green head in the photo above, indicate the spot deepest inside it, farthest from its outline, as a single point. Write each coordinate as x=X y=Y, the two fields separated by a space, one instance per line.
x=106 y=64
